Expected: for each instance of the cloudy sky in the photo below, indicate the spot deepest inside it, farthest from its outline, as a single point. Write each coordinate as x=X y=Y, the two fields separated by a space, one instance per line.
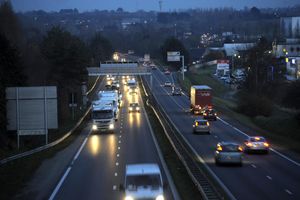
x=132 y=5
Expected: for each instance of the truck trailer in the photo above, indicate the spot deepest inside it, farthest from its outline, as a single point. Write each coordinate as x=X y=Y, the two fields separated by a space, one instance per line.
x=201 y=98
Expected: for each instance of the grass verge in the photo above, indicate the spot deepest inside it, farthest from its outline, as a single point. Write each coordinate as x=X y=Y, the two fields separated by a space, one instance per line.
x=185 y=186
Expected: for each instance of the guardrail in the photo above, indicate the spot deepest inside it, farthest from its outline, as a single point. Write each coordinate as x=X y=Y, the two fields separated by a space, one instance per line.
x=207 y=189
x=47 y=146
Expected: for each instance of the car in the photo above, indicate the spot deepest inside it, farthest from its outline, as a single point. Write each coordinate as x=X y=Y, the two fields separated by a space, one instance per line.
x=256 y=144
x=201 y=126
x=210 y=114
x=115 y=85
x=228 y=153
x=168 y=84
x=176 y=91
x=134 y=107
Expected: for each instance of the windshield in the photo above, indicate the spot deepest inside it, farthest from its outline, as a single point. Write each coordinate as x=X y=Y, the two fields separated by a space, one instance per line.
x=230 y=148
x=103 y=114
x=135 y=181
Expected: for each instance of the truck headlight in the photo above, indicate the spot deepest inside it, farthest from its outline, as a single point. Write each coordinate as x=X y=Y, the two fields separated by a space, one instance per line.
x=137 y=108
x=130 y=108
x=160 y=197
x=111 y=126
x=94 y=127
x=129 y=198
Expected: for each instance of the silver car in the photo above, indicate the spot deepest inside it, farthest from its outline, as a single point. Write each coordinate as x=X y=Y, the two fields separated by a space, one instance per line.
x=229 y=153
x=201 y=126
x=256 y=143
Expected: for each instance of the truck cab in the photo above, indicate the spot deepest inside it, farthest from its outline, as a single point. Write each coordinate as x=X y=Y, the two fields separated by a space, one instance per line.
x=103 y=117
x=143 y=181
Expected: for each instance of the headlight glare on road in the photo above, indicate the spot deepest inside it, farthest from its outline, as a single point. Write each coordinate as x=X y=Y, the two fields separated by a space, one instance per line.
x=160 y=197
x=94 y=127
x=111 y=126
x=129 y=198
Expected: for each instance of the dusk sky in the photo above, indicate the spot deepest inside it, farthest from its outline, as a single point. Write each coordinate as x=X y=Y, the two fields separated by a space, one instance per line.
x=132 y=5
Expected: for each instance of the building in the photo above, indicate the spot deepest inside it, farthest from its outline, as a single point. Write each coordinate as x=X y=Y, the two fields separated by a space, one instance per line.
x=290 y=27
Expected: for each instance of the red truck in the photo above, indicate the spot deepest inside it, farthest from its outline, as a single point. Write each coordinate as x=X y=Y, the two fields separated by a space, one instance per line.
x=201 y=98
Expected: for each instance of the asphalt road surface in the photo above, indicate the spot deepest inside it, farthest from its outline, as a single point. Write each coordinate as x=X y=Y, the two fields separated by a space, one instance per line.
x=268 y=176
x=100 y=166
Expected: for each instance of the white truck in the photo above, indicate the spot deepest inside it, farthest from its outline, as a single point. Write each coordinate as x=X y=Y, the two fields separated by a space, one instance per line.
x=132 y=86
x=103 y=117
x=143 y=181
x=113 y=94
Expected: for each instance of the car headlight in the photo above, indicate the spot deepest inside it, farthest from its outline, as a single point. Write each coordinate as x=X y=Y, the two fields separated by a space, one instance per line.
x=130 y=108
x=128 y=198
x=160 y=197
x=111 y=126
x=137 y=108
x=94 y=127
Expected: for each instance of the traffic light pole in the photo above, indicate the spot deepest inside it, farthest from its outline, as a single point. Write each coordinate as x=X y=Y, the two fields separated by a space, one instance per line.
x=182 y=70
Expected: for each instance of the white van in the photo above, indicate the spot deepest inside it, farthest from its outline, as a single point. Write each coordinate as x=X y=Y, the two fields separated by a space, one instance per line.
x=143 y=181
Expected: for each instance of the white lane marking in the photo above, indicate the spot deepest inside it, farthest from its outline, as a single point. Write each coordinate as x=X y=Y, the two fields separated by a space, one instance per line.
x=275 y=151
x=81 y=147
x=254 y=166
x=289 y=192
x=69 y=169
x=119 y=148
x=119 y=141
x=117 y=164
x=269 y=177
x=60 y=183
x=114 y=187
x=116 y=174
x=118 y=155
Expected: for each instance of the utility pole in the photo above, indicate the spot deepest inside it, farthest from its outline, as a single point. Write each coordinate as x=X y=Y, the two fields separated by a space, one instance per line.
x=182 y=70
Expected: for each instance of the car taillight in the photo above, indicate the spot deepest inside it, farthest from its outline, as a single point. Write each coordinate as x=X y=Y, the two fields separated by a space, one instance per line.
x=266 y=144
x=240 y=149
x=249 y=144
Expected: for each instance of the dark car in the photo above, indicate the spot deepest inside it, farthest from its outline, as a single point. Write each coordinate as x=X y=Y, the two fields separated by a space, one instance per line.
x=176 y=91
x=210 y=114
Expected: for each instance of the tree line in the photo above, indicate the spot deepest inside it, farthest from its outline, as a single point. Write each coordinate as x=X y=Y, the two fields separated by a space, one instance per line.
x=57 y=58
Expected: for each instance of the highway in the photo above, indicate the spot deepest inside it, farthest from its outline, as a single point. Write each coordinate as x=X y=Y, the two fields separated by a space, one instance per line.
x=268 y=176
x=100 y=164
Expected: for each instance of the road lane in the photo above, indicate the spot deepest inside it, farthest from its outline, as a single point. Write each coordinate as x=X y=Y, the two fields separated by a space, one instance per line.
x=100 y=166
x=246 y=182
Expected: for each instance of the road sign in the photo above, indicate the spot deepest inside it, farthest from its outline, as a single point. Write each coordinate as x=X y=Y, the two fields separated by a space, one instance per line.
x=173 y=56
x=31 y=110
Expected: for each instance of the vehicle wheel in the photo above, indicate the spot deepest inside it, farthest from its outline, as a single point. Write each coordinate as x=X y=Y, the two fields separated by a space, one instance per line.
x=241 y=164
